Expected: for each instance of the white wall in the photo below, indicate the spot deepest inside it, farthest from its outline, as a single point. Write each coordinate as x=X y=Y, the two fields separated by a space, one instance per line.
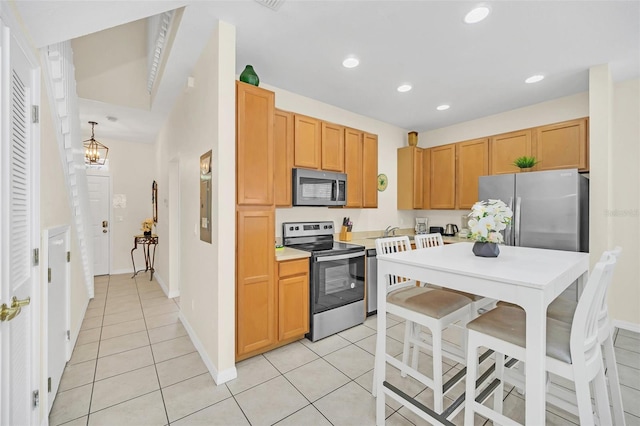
x=624 y=210
x=203 y=119
x=390 y=138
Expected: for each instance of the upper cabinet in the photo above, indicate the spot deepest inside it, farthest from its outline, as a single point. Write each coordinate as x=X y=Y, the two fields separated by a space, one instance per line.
x=254 y=145
x=306 y=142
x=332 y=147
x=353 y=147
x=473 y=162
x=443 y=177
x=410 y=178
x=562 y=145
x=370 y=171
x=505 y=148
x=283 y=150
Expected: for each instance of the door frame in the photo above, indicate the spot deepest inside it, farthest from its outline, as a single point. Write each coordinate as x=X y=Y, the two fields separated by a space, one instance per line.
x=65 y=232
x=174 y=228
x=10 y=30
x=90 y=173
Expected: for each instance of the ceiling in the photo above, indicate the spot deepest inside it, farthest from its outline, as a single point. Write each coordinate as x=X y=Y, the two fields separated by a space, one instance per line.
x=478 y=69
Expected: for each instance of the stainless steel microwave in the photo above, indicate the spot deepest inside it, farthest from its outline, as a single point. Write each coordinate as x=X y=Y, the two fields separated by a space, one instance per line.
x=318 y=188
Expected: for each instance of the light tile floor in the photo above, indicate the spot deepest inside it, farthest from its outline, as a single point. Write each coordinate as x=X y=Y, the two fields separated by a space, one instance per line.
x=134 y=364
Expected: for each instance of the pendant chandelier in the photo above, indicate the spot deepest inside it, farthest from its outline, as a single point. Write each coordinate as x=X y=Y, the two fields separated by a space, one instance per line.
x=94 y=151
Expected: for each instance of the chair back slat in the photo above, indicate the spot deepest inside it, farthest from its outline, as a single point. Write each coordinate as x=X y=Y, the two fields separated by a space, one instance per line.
x=584 y=331
x=428 y=240
x=394 y=245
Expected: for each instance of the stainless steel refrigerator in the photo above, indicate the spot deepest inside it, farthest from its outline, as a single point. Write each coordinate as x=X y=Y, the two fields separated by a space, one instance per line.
x=550 y=208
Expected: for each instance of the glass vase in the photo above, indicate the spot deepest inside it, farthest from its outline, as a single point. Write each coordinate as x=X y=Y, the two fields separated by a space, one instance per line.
x=249 y=76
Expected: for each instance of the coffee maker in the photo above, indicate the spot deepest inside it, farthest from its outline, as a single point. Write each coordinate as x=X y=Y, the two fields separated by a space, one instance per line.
x=421 y=225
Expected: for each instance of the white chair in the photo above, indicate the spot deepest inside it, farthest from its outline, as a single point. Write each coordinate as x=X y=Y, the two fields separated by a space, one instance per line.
x=480 y=303
x=431 y=308
x=573 y=350
x=563 y=309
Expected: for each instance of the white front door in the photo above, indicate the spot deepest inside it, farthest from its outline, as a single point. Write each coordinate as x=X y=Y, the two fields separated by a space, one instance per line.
x=18 y=234
x=58 y=308
x=99 y=203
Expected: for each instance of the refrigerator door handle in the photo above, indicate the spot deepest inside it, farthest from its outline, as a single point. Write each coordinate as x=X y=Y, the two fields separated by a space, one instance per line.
x=508 y=233
x=517 y=214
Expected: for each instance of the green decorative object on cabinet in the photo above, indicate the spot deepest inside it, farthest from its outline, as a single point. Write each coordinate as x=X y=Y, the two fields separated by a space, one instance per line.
x=249 y=76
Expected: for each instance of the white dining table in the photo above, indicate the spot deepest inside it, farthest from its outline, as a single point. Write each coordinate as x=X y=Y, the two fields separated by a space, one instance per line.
x=528 y=277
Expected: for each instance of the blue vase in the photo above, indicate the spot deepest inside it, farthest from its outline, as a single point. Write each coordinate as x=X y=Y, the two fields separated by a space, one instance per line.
x=486 y=249
x=249 y=76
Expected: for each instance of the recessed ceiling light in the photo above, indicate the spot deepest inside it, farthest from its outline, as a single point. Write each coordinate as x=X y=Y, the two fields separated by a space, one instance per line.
x=443 y=107
x=476 y=15
x=404 y=88
x=534 y=78
x=350 y=62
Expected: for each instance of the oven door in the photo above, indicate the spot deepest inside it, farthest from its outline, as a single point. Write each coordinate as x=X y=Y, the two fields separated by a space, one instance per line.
x=337 y=280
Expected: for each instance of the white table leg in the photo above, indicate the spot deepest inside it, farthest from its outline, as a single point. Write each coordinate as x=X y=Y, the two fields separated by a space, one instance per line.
x=381 y=339
x=535 y=364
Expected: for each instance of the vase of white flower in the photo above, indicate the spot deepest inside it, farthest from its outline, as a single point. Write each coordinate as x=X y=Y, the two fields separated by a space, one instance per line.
x=488 y=218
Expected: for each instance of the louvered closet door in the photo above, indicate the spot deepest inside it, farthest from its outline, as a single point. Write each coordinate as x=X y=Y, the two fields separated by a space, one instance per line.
x=16 y=235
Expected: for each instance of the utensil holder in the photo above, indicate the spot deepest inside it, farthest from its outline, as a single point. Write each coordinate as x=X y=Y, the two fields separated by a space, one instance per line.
x=345 y=235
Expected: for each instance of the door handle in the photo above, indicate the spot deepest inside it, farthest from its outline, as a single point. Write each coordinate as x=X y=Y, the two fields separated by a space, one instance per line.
x=15 y=303
x=8 y=313
x=104 y=231
x=105 y=223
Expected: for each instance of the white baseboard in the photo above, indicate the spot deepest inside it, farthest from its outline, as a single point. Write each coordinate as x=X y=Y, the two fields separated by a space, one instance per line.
x=165 y=288
x=219 y=377
x=625 y=325
x=121 y=271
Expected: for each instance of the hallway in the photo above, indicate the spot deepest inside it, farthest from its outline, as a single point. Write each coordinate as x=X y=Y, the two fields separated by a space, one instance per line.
x=134 y=364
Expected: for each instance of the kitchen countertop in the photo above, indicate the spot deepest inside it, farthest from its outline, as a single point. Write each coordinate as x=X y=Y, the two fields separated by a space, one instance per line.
x=287 y=253
x=370 y=243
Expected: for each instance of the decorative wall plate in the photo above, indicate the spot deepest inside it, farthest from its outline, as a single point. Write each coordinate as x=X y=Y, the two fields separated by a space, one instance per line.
x=382 y=182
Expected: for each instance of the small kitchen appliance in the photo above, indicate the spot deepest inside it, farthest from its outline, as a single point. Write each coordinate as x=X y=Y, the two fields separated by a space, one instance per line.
x=421 y=225
x=318 y=188
x=450 y=230
x=436 y=230
x=336 y=277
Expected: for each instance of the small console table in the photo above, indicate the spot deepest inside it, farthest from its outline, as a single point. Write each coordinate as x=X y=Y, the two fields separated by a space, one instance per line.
x=146 y=242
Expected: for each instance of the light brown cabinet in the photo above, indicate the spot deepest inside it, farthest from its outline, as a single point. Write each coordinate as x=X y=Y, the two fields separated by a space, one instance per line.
x=332 y=142
x=254 y=145
x=307 y=142
x=370 y=171
x=562 y=145
x=473 y=162
x=426 y=178
x=410 y=178
x=505 y=148
x=443 y=177
x=283 y=157
x=353 y=166
x=293 y=299
x=256 y=315
x=361 y=167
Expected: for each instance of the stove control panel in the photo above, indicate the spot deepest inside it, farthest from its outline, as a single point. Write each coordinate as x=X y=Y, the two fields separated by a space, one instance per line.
x=306 y=229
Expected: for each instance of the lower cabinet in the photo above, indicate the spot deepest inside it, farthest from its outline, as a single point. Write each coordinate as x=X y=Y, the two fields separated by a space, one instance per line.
x=293 y=299
x=274 y=312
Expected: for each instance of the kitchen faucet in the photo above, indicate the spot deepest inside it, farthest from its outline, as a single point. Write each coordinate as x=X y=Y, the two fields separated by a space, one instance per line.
x=390 y=230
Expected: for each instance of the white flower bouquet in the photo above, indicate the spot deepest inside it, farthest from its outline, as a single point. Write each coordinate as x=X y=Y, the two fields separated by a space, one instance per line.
x=488 y=218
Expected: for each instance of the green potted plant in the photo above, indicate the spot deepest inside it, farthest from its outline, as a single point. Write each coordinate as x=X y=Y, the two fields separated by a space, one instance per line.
x=525 y=163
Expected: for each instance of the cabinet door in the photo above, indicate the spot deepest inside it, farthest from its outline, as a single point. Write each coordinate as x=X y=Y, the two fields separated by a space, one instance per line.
x=473 y=162
x=410 y=180
x=426 y=179
x=443 y=177
x=255 y=281
x=254 y=145
x=505 y=148
x=353 y=166
x=306 y=142
x=370 y=171
x=293 y=306
x=562 y=146
x=332 y=143
x=283 y=150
